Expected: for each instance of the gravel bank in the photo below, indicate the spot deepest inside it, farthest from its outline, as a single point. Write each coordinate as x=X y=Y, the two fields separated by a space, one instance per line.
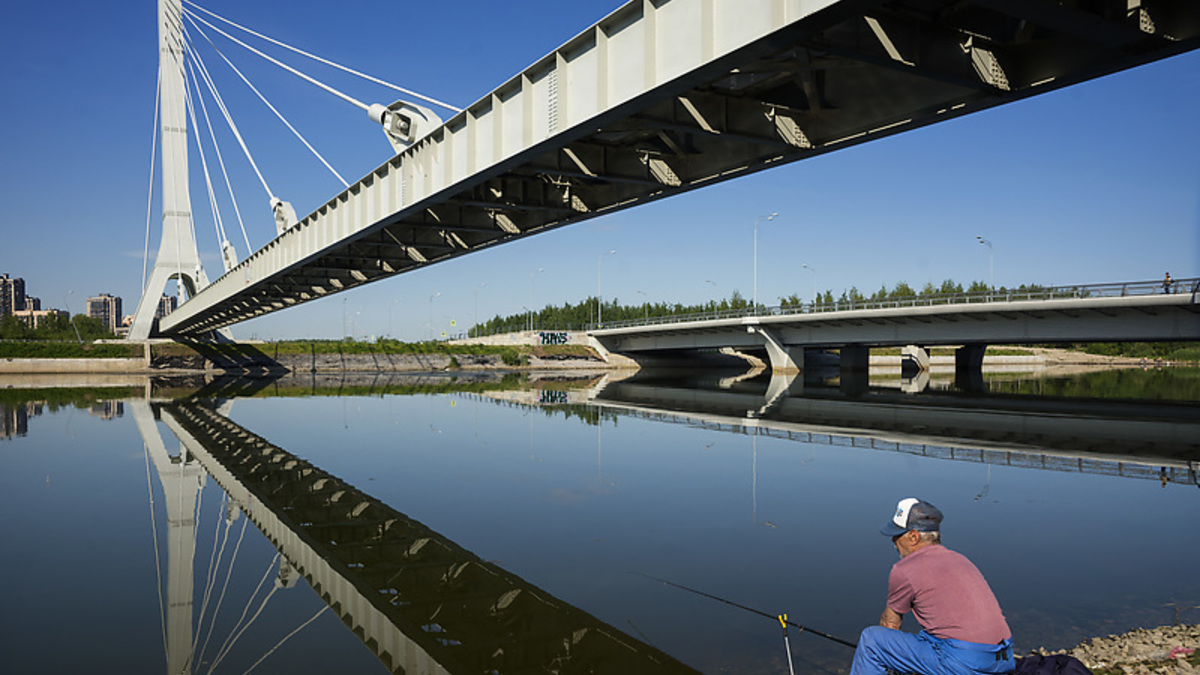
x=1144 y=651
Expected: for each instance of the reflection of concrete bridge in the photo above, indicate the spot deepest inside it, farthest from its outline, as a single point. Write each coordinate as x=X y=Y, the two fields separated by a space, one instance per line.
x=1160 y=442
x=419 y=601
x=1096 y=313
x=656 y=99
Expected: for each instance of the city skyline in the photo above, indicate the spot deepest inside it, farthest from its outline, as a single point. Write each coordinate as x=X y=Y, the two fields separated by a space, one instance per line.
x=1094 y=183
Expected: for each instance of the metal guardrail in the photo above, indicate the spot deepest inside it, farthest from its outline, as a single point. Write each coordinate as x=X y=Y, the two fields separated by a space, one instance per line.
x=1110 y=290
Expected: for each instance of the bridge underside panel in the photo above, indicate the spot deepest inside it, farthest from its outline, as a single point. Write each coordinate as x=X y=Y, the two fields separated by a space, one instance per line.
x=660 y=98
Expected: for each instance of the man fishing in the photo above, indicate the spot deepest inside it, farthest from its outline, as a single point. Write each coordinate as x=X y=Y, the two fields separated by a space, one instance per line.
x=964 y=631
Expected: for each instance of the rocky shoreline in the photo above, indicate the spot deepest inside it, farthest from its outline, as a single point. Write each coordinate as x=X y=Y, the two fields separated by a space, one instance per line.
x=1166 y=650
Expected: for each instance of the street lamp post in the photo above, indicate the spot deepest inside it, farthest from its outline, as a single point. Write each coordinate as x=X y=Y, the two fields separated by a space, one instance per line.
x=70 y=318
x=991 y=263
x=431 y=314
x=758 y=218
x=599 y=293
x=481 y=285
x=344 y=318
x=645 y=306
x=814 y=284
x=531 y=275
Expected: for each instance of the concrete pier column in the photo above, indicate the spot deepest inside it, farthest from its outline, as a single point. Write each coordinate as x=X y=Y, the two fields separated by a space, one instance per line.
x=855 y=366
x=968 y=367
x=855 y=359
x=915 y=383
x=914 y=359
x=783 y=385
x=784 y=358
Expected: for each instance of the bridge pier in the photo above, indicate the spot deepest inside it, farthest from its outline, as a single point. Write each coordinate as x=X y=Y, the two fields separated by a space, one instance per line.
x=854 y=359
x=783 y=358
x=855 y=367
x=914 y=359
x=968 y=367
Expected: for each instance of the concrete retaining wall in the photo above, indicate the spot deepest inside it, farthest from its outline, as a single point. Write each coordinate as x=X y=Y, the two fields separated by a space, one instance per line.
x=72 y=366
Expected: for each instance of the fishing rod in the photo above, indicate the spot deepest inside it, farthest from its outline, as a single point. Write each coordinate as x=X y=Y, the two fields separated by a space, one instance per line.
x=781 y=618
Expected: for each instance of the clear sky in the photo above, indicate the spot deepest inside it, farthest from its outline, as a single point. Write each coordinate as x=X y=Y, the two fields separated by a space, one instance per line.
x=1095 y=183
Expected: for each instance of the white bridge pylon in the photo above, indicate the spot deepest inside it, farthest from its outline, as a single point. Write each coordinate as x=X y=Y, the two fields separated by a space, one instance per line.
x=177 y=257
x=662 y=97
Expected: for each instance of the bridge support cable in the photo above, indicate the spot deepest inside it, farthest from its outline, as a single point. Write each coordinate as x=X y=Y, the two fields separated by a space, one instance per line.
x=406 y=92
x=210 y=577
x=220 y=160
x=285 y=638
x=228 y=259
x=230 y=640
x=150 y=190
x=272 y=108
x=162 y=607
x=403 y=123
x=211 y=86
x=236 y=636
x=212 y=619
x=307 y=78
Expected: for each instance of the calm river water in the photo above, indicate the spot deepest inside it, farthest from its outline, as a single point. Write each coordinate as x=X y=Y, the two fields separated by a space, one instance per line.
x=495 y=524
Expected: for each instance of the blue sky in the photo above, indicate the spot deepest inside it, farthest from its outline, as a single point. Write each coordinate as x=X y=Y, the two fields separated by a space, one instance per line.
x=1096 y=183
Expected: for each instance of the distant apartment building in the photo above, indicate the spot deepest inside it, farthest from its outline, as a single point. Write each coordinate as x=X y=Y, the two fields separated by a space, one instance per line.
x=14 y=418
x=107 y=309
x=166 y=305
x=12 y=295
x=32 y=303
x=35 y=318
x=107 y=410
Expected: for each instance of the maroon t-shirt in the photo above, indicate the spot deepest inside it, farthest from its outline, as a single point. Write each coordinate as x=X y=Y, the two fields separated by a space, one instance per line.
x=948 y=596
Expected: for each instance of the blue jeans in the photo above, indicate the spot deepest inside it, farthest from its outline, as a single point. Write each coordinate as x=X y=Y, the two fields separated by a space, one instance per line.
x=882 y=649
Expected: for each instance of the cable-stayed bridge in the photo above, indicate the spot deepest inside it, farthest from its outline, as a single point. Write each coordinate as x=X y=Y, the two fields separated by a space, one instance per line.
x=656 y=99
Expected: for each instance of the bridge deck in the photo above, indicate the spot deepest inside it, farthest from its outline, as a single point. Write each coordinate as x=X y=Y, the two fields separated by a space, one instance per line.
x=1141 y=312
x=662 y=97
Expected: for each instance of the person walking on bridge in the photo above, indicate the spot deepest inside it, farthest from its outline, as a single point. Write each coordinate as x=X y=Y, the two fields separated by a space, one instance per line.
x=964 y=631
x=1167 y=281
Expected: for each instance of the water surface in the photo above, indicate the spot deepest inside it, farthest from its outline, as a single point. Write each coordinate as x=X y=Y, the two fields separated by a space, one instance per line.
x=571 y=492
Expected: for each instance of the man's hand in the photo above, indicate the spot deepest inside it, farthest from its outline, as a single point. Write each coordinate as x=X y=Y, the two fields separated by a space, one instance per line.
x=890 y=619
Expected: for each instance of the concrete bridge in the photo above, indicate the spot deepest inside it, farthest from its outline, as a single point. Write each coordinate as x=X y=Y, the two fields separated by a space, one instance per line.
x=1120 y=312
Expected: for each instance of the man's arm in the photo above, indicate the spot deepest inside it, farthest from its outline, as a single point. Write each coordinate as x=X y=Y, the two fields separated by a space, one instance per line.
x=890 y=619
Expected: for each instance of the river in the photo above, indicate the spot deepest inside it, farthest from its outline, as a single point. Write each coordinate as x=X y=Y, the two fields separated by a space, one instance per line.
x=488 y=523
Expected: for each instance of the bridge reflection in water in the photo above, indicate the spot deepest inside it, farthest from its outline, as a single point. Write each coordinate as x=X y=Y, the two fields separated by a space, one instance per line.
x=423 y=604
x=1120 y=438
x=419 y=601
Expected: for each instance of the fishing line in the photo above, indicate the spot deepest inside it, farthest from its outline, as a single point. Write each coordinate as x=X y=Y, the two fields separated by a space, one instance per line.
x=782 y=619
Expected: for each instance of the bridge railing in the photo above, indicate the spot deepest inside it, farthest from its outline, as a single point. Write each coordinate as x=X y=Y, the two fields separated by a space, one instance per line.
x=1109 y=290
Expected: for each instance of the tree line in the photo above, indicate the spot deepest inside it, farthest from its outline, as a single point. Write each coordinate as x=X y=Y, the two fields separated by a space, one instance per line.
x=590 y=310
x=55 y=327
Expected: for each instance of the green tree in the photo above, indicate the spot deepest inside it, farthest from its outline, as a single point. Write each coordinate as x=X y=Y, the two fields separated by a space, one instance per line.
x=12 y=328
